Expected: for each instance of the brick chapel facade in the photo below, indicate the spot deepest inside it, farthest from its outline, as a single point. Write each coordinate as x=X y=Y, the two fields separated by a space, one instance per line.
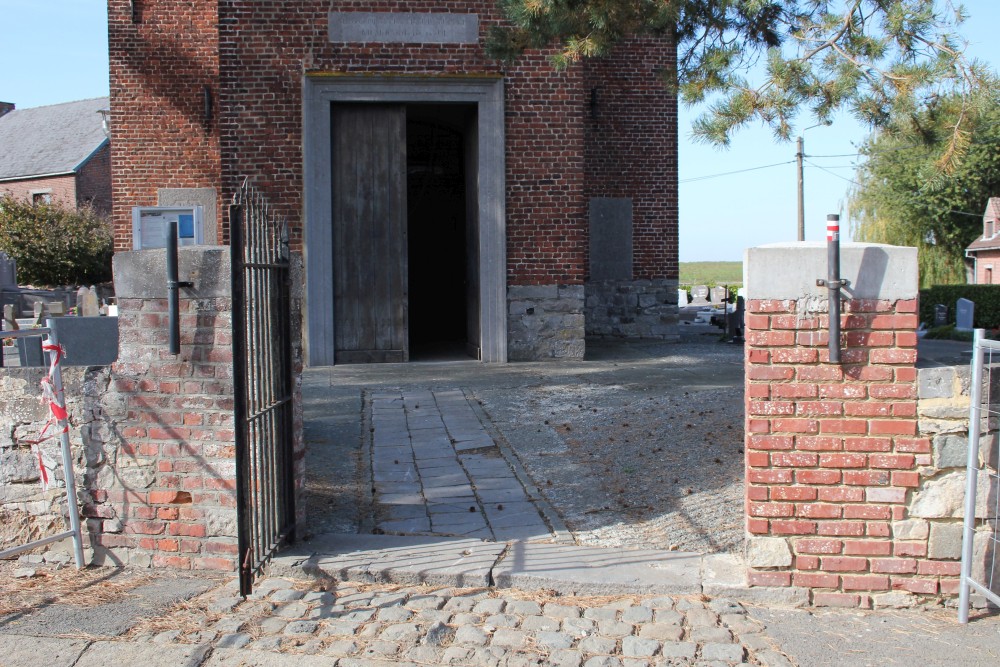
x=437 y=196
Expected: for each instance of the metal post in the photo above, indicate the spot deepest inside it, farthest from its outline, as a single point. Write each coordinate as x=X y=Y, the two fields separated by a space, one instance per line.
x=802 y=205
x=972 y=467
x=833 y=283
x=67 y=456
x=173 y=308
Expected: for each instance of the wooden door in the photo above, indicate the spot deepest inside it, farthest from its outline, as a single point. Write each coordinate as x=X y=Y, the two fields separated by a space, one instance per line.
x=369 y=233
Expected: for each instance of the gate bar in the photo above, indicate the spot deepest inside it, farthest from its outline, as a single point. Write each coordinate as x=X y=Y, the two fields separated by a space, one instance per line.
x=237 y=261
x=972 y=470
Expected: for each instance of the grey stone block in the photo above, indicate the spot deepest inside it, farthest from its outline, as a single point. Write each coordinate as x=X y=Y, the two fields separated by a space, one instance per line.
x=936 y=382
x=945 y=540
x=950 y=451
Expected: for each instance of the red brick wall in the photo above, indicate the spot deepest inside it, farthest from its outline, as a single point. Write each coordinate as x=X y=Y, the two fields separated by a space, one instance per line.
x=159 y=68
x=160 y=64
x=262 y=126
x=63 y=188
x=833 y=450
x=988 y=267
x=93 y=181
x=631 y=146
x=174 y=499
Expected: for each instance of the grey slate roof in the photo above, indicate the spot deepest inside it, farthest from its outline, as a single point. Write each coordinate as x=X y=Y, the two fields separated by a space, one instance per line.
x=54 y=139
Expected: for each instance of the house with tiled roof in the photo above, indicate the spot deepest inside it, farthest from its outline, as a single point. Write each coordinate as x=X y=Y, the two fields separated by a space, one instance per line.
x=985 y=250
x=58 y=153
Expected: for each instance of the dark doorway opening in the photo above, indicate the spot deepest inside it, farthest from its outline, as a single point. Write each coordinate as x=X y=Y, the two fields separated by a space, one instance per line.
x=442 y=241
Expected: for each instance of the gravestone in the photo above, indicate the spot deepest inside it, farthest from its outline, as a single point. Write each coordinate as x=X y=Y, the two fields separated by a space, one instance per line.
x=682 y=298
x=699 y=295
x=964 y=314
x=8 y=271
x=940 y=315
x=87 y=304
x=720 y=295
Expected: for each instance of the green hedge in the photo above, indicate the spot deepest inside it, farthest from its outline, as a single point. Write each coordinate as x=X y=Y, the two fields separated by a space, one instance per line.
x=54 y=244
x=986 y=298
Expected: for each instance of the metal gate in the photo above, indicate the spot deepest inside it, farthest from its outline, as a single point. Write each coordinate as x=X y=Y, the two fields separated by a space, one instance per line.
x=981 y=536
x=262 y=377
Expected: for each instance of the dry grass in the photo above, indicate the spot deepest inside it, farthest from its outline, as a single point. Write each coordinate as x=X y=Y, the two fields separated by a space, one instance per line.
x=81 y=588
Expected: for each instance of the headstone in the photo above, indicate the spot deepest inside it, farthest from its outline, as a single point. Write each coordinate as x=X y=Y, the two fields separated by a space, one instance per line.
x=940 y=315
x=964 y=314
x=720 y=295
x=699 y=295
x=87 y=304
x=10 y=318
x=8 y=271
x=682 y=298
x=39 y=312
x=56 y=308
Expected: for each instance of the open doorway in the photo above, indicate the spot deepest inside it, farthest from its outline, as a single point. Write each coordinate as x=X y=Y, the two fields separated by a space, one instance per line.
x=405 y=232
x=442 y=267
x=358 y=251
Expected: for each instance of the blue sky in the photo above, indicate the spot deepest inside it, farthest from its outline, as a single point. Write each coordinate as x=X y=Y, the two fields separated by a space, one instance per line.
x=56 y=51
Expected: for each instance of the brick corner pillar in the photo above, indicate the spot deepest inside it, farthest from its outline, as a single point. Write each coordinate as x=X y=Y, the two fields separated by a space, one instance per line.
x=163 y=494
x=832 y=450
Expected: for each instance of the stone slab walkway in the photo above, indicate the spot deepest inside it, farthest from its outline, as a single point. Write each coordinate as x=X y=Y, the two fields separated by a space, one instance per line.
x=437 y=470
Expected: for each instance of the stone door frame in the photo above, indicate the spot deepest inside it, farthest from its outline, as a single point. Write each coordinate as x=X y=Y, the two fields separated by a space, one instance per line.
x=319 y=92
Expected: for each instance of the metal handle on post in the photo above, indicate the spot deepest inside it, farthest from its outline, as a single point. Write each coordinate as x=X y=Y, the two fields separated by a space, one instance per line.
x=173 y=303
x=833 y=283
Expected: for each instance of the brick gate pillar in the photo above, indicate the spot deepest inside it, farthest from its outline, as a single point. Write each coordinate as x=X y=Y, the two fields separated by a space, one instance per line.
x=162 y=492
x=833 y=450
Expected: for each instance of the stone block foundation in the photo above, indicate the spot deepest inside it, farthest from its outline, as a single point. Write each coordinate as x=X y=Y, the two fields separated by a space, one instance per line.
x=545 y=322
x=632 y=309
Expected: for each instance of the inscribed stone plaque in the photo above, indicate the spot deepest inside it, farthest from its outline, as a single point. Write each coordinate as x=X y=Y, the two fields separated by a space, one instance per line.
x=394 y=27
x=699 y=295
x=964 y=314
x=610 y=238
x=719 y=294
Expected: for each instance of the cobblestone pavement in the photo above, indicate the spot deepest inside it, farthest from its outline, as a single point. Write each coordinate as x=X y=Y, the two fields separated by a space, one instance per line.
x=371 y=625
x=437 y=471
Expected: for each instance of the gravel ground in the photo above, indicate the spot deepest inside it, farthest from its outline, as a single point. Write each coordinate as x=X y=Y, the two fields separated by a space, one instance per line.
x=641 y=445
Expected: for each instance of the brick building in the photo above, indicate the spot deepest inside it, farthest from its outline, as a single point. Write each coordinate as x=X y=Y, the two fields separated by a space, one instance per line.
x=58 y=153
x=985 y=250
x=441 y=200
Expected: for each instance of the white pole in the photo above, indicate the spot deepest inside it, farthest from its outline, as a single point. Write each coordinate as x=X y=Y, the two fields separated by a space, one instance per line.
x=72 y=502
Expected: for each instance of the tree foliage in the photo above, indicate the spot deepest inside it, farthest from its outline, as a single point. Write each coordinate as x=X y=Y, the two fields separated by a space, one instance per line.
x=55 y=245
x=904 y=198
x=875 y=58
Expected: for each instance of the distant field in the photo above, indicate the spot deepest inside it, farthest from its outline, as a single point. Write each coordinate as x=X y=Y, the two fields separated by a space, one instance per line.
x=711 y=273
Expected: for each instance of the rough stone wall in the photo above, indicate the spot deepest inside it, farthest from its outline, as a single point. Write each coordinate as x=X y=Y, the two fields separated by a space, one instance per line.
x=545 y=322
x=842 y=489
x=61 y=188
x=26 y=511
x=632 y=309
x=161 y=63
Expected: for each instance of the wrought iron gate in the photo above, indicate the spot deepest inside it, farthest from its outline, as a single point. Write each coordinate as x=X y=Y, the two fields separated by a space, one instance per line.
x=262 y=377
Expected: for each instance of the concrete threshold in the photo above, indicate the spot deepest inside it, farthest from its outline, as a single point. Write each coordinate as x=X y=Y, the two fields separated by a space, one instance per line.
x=563 y=568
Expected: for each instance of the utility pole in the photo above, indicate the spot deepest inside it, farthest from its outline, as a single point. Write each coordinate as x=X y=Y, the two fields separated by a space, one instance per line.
x=802 y=198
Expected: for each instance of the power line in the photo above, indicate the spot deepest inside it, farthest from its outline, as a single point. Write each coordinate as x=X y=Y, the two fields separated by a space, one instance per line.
x=730 y=173
x=843 y=178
